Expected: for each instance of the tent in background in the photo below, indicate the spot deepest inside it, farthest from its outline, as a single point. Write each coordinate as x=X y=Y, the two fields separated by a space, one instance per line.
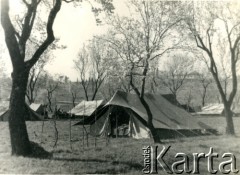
x=212 y=109
x=236 y=109
x=86 y=108
x=216 y=109
x=125 y=115
x=38 y=108
x=4 y=106
x=171 y=99
x=29 y=113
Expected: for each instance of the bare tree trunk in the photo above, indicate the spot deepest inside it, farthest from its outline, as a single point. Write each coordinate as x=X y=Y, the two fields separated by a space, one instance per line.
x=204 y=96
x=85 y=89
x=16 y=44
x=18 y=131
x=42 y=131
x=70 y=133
x=56 y=132
x=153 y=130
x=227 y=104
x=155 y=136
x=74 y=96
x=49 y=97
x=229 y=119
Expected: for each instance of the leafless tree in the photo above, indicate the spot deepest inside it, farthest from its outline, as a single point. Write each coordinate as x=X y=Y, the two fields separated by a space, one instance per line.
x=74 y=90
x=205 y=81
x=213 y=25
x=176 y=72
x=16 y=39
x=51 y=87
x=188 y=98
x=33 y=83
x=91 y=67
x=138 y=41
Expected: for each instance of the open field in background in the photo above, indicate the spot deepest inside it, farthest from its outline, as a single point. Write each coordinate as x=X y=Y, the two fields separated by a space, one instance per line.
x=121 y=155
x=219 y=123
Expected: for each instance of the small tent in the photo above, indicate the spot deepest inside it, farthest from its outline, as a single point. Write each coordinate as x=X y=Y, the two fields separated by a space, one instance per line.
x=236 y=109
x=212 y=109
x=29 y=113
x=4 y=106
x=86 y=108
x=125 y=115
x=38 y=108
x=216 y=109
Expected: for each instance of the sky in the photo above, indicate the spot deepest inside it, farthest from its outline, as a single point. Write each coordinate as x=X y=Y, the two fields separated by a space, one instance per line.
x=74 y=26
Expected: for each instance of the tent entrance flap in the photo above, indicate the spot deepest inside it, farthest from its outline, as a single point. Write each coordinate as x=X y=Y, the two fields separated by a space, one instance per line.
x=119 y=122
x=101 y=126
x=139 y=130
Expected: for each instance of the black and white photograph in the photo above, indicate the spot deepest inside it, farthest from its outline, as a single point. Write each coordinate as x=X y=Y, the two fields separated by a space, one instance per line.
x=120 y=87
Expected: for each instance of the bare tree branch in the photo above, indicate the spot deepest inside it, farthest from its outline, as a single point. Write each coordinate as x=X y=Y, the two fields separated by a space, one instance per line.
x=50 y=35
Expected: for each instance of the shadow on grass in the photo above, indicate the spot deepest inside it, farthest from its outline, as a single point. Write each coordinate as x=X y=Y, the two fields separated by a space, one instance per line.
x=135 y=166
x=129 y=164
x=186 y=139
x=39 y=152
x=78 y=160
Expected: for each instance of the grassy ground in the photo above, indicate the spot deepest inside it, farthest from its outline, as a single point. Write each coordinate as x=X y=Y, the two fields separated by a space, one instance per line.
x=121 y=155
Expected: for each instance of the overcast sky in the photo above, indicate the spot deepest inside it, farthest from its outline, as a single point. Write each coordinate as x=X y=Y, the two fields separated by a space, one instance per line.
x=73 y=26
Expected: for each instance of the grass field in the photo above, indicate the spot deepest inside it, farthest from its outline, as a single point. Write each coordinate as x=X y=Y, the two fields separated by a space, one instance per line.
x=119 y=155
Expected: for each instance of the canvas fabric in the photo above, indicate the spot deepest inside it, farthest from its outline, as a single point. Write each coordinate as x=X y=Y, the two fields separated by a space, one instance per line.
x=165 y=114
x=86 y=108
x=136 y=129
x=38 y=108
x=30 y=114
x=217 y=109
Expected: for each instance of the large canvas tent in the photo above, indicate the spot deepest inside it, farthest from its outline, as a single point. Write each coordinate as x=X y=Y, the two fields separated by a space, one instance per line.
x=86 y=108
x=125 y=115
x=29 y=113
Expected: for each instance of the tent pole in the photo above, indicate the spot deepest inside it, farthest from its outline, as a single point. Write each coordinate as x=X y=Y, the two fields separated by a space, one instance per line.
x=129 y=112
x=83 y=134
x=180 y=133
x=109 y=125
x=56 y=131
x=131 y=124
x=70 y=131
x=83 y=122
x=95 y=138
x=116 y=126
x=84 y=127
x=86 y=134
x=44 y=113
